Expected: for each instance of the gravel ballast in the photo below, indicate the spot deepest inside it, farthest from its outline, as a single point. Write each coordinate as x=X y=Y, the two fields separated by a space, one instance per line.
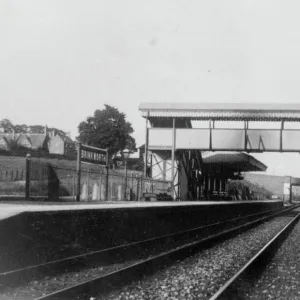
x=50 y=284
x=91 y=270
x=280 y=279
x=201 y=275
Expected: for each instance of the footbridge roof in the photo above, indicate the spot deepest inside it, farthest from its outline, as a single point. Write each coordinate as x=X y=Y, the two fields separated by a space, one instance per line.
x=223 y=111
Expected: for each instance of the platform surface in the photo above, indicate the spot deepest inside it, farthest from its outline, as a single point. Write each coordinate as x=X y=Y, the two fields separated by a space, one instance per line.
x=8 y=209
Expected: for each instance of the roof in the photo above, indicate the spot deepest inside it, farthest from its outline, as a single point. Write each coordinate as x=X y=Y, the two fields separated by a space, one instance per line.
x=2 y=137
x=238 y=161
x=37 y=140
x=21 y=136
x=66 y=139
x=7 y=137
x=223 y=111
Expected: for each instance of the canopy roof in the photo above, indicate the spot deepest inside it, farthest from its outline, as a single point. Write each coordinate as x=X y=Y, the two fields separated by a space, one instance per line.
x=236 y=161
x=223 y=111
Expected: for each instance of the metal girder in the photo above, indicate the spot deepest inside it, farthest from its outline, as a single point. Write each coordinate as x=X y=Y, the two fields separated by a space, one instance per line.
x=190 y=163
x=220 y=139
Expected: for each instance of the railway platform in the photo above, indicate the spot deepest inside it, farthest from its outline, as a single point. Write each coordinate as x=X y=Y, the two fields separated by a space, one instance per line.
x=59 y=230
x=12 y=208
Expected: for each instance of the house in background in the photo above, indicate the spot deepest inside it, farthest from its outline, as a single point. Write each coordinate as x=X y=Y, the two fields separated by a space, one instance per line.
x=38 y=141
x=62 y=145
x=5 y=142
x=49 y=140
x=23 y=141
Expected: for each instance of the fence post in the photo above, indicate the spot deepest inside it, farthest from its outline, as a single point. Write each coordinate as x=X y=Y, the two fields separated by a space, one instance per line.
x=88 y=183
x=100 y=183
x=27 y=184
x=141 y=186
x=74 y=184
x=137 y=188
x=78 y=172
x=131 y=188
x=106 y=179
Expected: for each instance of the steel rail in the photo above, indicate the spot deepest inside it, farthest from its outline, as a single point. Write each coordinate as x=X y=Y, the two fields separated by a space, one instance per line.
x=104 y=283
x=53 y=267
x=223 y=292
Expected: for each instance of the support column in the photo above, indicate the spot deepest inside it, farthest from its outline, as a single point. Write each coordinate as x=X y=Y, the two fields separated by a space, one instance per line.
x=203 y=187
x=246 y=126
x=164 y=169
x=226 y=187
x=210 y=135
x=173 y=153
x=27 y=182
x=281 y=130
x=214 y=185
x=208 y=187
x=287 y=190
x=146 y=148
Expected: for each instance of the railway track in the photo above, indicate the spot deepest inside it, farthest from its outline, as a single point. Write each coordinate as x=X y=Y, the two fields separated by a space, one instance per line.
x=105 y=283
x=124 y=253
x=231 y=289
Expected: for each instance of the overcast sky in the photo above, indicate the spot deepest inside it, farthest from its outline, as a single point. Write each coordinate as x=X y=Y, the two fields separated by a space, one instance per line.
x=62 y=59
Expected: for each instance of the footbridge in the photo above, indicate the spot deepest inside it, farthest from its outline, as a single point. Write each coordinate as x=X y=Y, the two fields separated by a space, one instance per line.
x=175 y=140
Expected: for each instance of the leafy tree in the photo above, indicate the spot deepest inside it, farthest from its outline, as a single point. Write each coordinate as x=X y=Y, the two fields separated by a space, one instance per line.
x=107 y=129
x=7 y=125
x=57 y=131
x=21 y=128
x=36 y=129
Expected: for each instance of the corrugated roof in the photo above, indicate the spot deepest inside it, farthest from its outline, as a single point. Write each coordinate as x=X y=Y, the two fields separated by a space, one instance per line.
x=236 y=160
x=223 y=111
x=220 y=106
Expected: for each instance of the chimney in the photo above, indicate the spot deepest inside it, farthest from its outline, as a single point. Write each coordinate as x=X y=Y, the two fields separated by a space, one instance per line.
x=13 y=134
x=45 y=130
x=53 y=133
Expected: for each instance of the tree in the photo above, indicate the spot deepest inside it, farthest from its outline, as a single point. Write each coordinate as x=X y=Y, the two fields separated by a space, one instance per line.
x=107 y=129
x=21 y=128
x=7 y=125
x=57 y=131
x=36 y=129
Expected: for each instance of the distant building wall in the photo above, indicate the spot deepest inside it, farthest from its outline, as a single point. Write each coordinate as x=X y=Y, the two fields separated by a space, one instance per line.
x=56 y=145
x=3 y=143
x=69 y=149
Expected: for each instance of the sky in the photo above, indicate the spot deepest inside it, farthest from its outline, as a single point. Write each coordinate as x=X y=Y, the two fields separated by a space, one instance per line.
x=60 y=60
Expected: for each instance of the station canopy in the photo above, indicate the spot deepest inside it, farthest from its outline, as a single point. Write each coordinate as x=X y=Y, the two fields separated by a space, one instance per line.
x=223 y=111
x=235 y=161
